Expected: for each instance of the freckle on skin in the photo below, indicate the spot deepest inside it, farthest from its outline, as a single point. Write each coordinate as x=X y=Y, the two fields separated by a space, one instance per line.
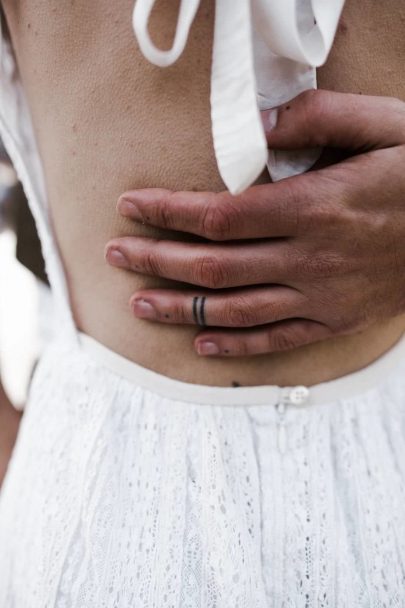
x=343 y=28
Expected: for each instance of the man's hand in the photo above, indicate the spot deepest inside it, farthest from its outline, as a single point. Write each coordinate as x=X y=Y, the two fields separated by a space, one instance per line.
x=290 y=263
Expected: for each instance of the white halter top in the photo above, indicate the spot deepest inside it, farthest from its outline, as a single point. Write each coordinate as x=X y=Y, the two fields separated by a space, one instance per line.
x=265 y=52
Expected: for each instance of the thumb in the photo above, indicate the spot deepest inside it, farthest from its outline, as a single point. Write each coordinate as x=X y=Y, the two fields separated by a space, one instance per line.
x=336 y=120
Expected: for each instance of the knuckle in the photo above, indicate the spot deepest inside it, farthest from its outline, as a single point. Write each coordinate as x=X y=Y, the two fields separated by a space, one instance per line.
x=240 y=348
x=209 y=272
x=178 y=313
x=293 y=209
x=322 y=265
x=164 y=210
x=150 y=263
x=322 y=218
x=282 y=339
x=216 y=221
x=316 y=106
x=239 y=313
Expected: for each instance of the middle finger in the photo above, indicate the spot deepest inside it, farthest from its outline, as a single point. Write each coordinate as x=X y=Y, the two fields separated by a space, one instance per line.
x=206 y=265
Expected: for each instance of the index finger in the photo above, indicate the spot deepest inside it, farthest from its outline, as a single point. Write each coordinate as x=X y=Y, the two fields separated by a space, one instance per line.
x=265 y=211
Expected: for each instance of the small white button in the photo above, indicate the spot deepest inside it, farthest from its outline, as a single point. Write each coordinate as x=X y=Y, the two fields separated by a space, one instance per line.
x=299 y=395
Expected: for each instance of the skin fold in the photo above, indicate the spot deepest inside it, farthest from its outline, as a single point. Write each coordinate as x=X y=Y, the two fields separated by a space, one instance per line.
x=108 y=122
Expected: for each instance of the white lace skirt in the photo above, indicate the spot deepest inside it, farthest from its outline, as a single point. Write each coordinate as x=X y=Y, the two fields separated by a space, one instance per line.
x=130 y=490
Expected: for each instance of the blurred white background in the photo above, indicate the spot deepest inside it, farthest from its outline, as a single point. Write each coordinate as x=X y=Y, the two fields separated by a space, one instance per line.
x=19 y=332
x=19 y=307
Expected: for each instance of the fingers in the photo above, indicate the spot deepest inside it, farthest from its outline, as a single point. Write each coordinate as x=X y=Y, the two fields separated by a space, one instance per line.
x=277 y=337
x=206 y=265
x=273 y=314
x=337 y=120
x=238 y=308
x=271 y=210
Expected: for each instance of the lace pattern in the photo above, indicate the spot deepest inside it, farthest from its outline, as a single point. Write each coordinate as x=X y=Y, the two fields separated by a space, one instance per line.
x=117 y=497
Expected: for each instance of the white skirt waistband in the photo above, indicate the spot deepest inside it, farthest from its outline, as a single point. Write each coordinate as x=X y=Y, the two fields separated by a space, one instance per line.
x=344 y=387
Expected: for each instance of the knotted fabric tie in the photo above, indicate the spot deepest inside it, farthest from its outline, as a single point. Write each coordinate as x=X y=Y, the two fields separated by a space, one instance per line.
x=294 y=36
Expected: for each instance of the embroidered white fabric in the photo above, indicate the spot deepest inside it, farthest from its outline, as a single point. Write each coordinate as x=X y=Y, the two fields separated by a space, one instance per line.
x=118 y=497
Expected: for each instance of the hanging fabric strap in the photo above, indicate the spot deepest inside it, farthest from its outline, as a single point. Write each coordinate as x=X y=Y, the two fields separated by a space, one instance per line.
x=141 y=16
x=298 y=30
x=239 y=140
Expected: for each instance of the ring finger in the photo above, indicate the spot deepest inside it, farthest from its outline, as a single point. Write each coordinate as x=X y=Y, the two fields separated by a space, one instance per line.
x=234 y=308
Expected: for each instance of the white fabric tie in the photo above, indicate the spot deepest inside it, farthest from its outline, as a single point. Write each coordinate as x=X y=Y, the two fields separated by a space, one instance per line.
x=265 y=52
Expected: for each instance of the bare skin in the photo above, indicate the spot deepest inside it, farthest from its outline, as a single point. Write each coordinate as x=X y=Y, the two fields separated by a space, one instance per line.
x=106 y=122
x=9 y=422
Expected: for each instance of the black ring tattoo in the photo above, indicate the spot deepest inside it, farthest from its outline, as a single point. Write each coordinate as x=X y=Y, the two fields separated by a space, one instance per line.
x=199 y=310
x=202 y=312
x=195 y=317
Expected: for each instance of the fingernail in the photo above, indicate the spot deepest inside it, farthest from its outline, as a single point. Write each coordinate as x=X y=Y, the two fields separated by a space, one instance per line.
x=143 y=309
x=207 y=348
x=115 y=257
x=130 y=209
x=269 y=118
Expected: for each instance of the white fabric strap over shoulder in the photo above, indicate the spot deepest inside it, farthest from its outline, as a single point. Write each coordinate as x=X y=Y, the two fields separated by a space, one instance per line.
x=141 y=16
x=296 y=37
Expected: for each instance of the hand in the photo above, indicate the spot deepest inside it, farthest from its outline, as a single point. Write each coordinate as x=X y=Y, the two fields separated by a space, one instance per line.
x=289 y=263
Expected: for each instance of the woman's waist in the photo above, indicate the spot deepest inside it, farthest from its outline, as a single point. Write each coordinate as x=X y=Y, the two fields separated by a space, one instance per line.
x=169 y=350
x=85 y=368
x=100 y=300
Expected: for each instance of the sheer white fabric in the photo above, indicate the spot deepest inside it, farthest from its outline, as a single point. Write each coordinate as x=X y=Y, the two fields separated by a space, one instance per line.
x=265 y=52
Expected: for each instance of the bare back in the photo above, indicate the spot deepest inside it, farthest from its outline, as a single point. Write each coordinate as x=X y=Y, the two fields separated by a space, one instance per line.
x=107 y=121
